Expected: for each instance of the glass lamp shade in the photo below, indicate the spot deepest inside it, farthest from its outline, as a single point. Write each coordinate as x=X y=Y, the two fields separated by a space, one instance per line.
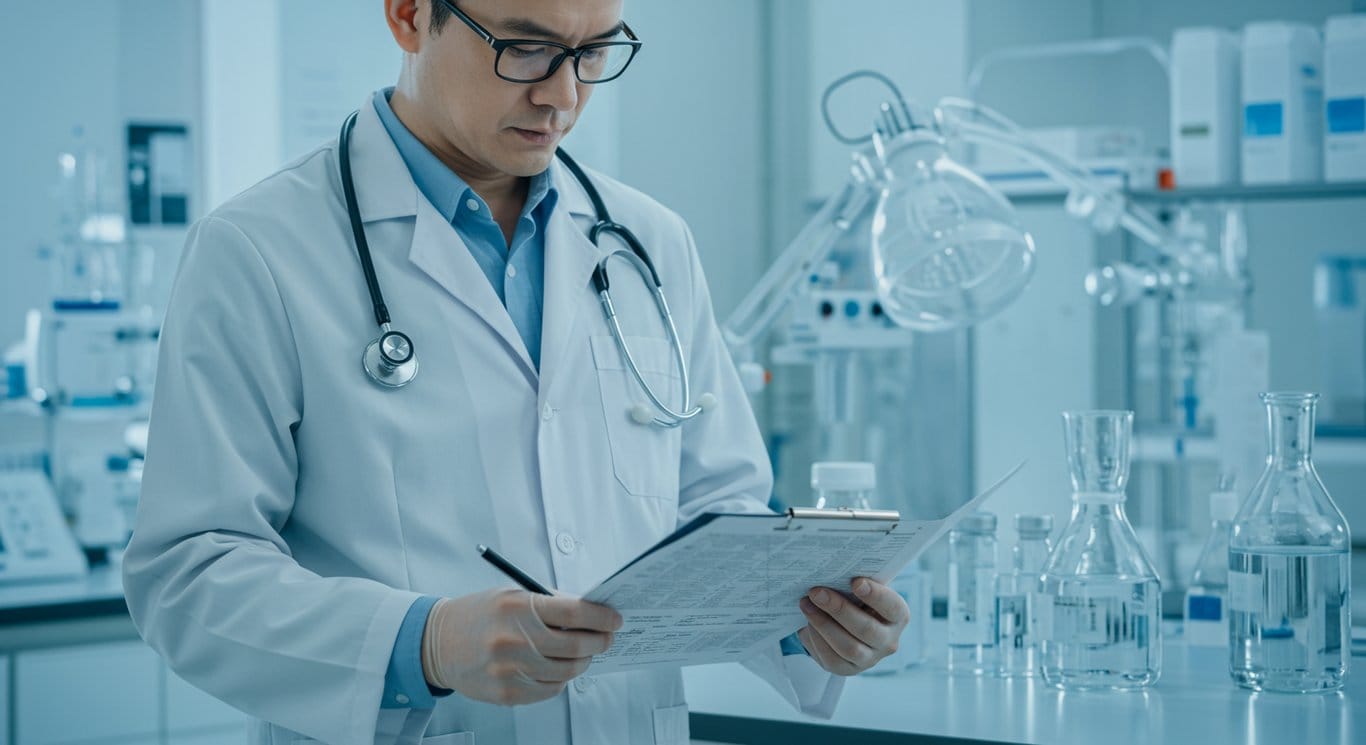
x=948 y=250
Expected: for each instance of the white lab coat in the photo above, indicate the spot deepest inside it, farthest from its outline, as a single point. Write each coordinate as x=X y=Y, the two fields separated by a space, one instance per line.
x=292 y=510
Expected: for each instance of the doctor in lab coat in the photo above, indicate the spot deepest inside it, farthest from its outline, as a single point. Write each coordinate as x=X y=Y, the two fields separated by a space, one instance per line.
x=295 y=514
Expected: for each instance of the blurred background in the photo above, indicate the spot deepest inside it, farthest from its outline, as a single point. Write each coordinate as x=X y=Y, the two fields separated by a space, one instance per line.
x=133 y=118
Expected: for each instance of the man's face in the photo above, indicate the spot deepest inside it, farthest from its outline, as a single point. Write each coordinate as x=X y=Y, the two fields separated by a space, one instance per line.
x=501 y=126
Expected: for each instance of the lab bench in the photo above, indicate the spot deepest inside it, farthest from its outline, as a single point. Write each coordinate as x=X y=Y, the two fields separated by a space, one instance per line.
x=73 y=670
x=1193 y=702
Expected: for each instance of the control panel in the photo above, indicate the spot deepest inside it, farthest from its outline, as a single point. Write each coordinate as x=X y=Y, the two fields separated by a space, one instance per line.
x=35 y=542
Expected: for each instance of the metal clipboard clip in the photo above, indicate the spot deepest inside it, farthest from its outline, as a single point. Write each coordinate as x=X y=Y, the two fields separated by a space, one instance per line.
x=842 y=513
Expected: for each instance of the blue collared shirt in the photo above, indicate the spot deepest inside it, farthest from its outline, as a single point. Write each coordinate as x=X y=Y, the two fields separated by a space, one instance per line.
x=517 y=275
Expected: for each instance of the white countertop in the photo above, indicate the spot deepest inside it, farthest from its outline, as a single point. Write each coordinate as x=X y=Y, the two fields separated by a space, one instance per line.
x=1193 y=702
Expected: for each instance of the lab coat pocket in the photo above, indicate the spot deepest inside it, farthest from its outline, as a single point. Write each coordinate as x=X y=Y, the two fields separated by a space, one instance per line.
x=645 y=457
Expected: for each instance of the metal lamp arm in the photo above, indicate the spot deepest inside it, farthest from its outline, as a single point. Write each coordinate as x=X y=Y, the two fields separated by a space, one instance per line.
x=777 y=286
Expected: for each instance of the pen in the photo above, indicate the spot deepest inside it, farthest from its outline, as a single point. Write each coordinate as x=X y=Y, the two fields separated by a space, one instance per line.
x=511 y=570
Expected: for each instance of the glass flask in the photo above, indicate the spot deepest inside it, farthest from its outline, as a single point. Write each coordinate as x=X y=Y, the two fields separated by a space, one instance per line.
x=1206 y=609
x=1289 y=566
x=1021 y=614
x=841 y=484
x=948 y=250
x=972 y=569
x=1105 y=595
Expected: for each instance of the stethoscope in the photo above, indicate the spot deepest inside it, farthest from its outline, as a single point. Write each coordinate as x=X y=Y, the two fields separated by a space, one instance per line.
x=391 y=360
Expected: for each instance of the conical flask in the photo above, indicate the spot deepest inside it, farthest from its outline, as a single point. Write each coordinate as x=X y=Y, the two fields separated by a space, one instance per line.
x=1289 y=566
x=1106 y=597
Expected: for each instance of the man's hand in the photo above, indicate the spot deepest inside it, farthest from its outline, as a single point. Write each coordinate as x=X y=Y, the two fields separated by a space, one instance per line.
x=511 y=646
x=847 y=638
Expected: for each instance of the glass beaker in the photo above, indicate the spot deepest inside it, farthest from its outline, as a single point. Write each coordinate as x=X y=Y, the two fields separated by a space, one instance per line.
x=972 y=617
x=1106 y=596
x=1021 y=614
x=1289 y=568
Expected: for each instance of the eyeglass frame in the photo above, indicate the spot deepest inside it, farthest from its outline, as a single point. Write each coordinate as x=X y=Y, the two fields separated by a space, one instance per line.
x=499 y=45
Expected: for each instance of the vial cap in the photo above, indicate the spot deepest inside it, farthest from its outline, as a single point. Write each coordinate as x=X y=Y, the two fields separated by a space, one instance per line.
x=843 y=475
x=1034 y=524
x=978 y=522
x=1223 y=505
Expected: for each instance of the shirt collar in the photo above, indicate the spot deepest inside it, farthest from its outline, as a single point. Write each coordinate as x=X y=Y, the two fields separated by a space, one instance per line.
x=443 y=187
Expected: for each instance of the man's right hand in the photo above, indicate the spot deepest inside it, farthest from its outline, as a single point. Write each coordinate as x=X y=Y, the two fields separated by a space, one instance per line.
x=511 y=646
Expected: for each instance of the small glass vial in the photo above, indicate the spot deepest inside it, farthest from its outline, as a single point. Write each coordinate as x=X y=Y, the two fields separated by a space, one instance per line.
x=843 y=485
x=1106 y=596
x=972 y=571
x=1021 y=614
x=1289 y=566
x=1206 y=609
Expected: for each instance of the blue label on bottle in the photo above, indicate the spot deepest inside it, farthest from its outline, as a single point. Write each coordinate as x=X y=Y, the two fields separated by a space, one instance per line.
x=1264 y=119
x=1204 y=608
x=1347 y=115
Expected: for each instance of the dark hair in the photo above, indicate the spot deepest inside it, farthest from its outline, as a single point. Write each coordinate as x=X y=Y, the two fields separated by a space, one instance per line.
x=440 y=14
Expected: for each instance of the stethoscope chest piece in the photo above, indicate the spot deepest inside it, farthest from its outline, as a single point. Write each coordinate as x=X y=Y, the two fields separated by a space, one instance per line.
x=389 y=360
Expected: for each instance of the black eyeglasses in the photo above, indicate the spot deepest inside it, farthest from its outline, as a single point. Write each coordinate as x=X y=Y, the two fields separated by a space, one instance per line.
x=533 y=60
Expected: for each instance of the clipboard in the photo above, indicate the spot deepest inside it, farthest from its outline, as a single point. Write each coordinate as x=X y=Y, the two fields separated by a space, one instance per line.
x=723 y=586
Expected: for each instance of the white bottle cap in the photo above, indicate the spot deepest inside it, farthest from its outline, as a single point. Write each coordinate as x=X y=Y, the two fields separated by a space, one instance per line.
x=845 y=476
x=1223 y=505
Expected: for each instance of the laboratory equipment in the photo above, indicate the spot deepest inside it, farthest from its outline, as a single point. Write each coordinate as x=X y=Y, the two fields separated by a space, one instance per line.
x=1204 y=106
x=1344 y=87
x=1206 y=609
x=1022 y=615
x=1340 y=308
x=1289 y=566
x=1113 y=155
x=1106 y=596
x=391 y=360
x=972 y=569
x=840 y=485
x=1282 y=83
x=93 y=233
x=35 y=543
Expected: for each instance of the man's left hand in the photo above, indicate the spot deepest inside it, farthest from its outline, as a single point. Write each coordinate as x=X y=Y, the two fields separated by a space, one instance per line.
x=847 y=637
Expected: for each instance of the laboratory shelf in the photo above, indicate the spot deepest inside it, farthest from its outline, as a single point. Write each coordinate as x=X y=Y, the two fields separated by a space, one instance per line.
x=1193 y=702
x=1168 y=447
x=1234 y=193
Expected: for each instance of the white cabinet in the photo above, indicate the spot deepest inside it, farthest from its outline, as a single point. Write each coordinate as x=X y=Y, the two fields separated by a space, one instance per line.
x=87 y=693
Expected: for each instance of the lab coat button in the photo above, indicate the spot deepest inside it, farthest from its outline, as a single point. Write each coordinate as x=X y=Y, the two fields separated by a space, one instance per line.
x=512 y=272
x=565 y=543
x=547 y=413
x=401 y=699
x=582 y=684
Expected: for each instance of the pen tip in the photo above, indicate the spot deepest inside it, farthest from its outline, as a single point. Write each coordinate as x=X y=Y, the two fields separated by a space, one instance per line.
x=483 y=548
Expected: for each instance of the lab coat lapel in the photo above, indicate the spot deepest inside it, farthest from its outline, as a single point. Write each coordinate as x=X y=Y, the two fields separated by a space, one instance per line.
x=570 y=258
x=440 y=253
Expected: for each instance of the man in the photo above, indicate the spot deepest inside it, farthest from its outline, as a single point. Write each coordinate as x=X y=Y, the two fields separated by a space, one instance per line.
x=305 y=540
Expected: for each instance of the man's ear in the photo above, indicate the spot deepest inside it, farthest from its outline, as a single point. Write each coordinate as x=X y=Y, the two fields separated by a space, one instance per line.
x=408 y=22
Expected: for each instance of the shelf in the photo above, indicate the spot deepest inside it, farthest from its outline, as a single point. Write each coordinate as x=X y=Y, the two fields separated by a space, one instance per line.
x=1234 y=193
x=1166 y=447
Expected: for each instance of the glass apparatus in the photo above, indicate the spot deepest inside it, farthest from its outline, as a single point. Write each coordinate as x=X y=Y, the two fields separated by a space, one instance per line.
x=1105 y=594
x=1021 y=614
x=948 y=250
x=1206 y=611
x=1289 y=566
x=88 y=274
x=972 y=569
x=840 y=484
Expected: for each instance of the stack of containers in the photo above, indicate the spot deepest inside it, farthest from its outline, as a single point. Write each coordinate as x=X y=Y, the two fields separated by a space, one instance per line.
x=1204 y=106
x=1344 y=157
x=1282 y=84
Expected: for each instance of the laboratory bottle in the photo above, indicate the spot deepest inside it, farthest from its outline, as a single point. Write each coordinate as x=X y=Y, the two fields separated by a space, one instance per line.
x=1206 y=609
x=843 y=485
x=1104 y=594
x=1289 y=566
x=972 y=571
x=1021 y=614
